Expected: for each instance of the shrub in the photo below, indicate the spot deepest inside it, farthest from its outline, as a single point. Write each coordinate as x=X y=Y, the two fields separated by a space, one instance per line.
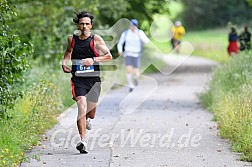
x=14 y=60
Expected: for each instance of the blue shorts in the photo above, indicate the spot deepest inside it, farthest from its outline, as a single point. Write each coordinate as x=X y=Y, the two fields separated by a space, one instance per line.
x=132 y=61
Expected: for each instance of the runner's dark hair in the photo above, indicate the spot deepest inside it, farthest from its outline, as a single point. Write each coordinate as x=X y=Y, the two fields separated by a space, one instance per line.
x=81 y=15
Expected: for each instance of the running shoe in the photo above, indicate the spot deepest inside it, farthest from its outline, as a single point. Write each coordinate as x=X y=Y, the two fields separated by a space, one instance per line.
x=136 y=82
x=88 y=124
x=82 y=147
x=131 y=89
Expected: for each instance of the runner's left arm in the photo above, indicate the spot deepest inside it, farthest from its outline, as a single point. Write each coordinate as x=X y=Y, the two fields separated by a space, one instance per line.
x=102 y=48
x=143 y=37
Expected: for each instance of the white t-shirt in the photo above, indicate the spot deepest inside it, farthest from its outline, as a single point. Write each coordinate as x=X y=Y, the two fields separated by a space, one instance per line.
x=133 y=42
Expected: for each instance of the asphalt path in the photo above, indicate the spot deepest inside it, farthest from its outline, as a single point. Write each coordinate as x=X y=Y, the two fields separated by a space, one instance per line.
x=160 y=124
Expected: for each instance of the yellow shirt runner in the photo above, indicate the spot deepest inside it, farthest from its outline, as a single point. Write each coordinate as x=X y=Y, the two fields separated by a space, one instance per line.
x=178 y=32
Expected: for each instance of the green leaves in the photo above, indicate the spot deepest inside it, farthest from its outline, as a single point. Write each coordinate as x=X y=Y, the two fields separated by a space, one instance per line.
x=48 y=23
x=200 y=14
x=250 y=2
x=13 y=61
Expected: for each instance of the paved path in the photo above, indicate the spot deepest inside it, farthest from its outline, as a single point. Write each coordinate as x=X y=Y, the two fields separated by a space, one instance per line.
x=160 y=124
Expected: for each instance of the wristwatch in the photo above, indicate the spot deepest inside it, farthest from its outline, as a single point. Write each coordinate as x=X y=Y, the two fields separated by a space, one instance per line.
x=94 y=58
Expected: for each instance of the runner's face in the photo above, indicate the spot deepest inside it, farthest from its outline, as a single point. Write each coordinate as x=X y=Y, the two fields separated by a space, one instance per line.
x=85 y=24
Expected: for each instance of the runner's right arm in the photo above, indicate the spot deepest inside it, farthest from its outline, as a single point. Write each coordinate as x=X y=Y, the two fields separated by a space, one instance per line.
x=67 y=55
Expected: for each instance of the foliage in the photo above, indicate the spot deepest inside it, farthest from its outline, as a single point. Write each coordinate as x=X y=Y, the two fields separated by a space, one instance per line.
x=31 y=116
x=56 y=77
x=250 y=2
x=229 y=97
x=48 y=23
x=200 y=14
x=138 y=9
x=14 y=60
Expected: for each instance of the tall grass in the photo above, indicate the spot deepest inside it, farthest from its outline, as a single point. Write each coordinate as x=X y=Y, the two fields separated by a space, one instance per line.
x=47 y=92
x=30 y=117
x=55 y=75
x=230 y=99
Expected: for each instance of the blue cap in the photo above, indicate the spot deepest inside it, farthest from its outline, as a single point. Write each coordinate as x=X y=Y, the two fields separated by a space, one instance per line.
x=134 y=22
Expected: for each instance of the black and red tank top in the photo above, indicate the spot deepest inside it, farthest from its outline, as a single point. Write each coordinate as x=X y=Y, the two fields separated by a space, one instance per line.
x=84 y=49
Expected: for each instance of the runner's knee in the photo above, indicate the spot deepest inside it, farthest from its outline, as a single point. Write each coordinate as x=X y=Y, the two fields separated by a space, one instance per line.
x=91 y=113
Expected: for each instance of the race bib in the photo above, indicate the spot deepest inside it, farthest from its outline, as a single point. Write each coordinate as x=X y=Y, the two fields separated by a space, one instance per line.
x=80 y=68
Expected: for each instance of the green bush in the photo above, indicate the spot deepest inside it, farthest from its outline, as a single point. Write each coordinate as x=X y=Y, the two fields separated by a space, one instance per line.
x=230 y=98
x=14 y=60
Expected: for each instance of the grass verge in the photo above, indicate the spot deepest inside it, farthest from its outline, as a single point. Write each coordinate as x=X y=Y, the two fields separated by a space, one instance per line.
x=47 y=94
x=230 y=99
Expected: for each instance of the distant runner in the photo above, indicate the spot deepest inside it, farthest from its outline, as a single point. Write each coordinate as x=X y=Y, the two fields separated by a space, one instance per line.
x=178 y=33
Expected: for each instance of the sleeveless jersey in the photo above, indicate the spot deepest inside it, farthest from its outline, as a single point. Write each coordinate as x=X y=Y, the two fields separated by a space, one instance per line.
x=84 y=49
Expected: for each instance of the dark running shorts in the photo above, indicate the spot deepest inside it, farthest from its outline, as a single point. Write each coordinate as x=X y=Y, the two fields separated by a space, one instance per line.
x=86 y=86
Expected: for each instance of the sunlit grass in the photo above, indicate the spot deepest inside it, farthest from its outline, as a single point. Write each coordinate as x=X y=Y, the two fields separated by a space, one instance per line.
x=47 y=94
x=31 y=116
x=230 y=99
x=211 y=44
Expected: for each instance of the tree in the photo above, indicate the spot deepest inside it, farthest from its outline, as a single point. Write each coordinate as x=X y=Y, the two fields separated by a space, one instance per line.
x=47 y=23
x=201 y=14
x=250 y=2
x=139 y=9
